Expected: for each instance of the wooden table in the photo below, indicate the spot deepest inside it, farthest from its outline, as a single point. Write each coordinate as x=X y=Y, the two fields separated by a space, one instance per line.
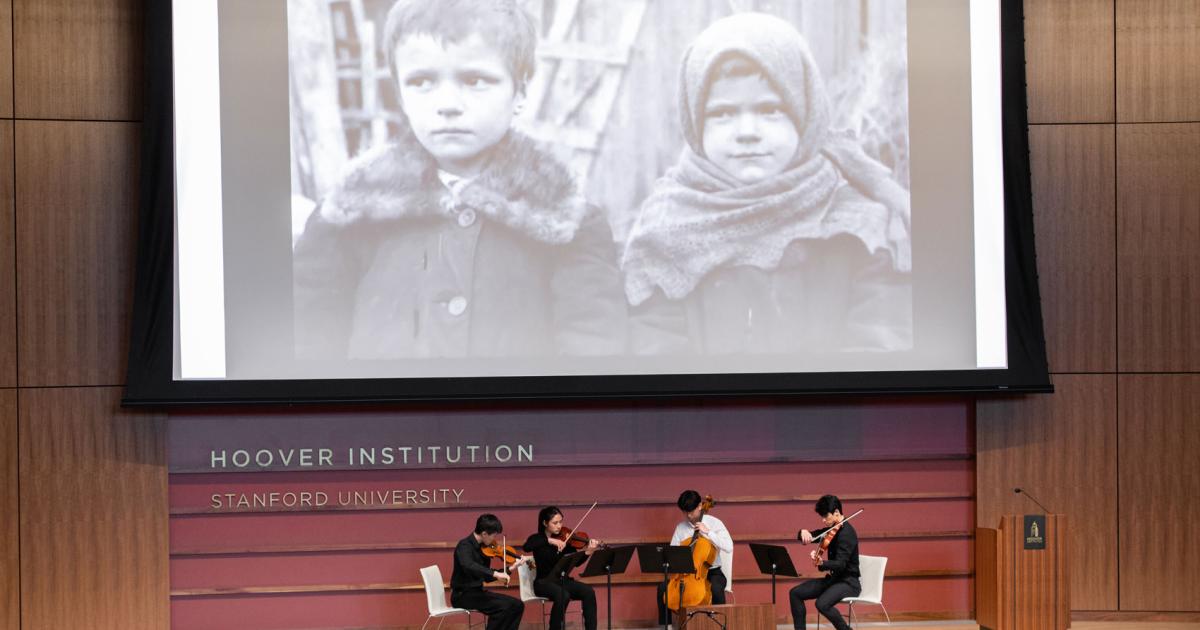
x=736 y=617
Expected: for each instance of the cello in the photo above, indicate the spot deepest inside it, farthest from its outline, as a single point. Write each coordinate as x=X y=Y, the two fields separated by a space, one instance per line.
x=694 y=589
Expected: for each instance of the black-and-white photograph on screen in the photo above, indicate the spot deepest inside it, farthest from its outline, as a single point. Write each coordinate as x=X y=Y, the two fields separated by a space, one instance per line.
x=525 y=178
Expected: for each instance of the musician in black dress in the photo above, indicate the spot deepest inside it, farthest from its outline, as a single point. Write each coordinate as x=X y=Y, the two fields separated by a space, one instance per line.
x=547 y=549
x=841 y=567
x=472 y=569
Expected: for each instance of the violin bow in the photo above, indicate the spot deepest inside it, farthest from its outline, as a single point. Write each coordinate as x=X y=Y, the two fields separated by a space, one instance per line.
x=503 y=554
x=503 y=560
x=581 y=520
x=829 y=529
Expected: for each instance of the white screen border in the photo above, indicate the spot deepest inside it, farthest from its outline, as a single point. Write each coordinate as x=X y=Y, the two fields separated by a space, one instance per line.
x=198 y=200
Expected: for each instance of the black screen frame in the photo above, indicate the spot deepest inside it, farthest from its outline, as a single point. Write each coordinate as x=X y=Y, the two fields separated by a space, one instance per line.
x=150 y=366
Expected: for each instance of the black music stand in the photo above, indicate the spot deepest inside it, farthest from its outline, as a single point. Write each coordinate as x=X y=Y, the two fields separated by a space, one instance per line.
x=607 y=561
x=773 y=560
x=566 y=564
x=671 y=560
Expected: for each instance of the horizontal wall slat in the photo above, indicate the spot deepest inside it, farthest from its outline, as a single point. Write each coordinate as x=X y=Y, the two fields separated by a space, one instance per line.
x=390 y=526
x=476 y=505
x=386 y=567
x=411 y=546
x=624 y=580
x=633 y=606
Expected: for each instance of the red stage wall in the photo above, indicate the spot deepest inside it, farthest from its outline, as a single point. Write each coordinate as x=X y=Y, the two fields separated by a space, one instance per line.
x=909 y=463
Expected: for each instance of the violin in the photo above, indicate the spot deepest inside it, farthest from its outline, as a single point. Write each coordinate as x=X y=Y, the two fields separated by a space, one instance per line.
x=576 y=539
x=694 y=589
x=508 y=555
x=827 y=537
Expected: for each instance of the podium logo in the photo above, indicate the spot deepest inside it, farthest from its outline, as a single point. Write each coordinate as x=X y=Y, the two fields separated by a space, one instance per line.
x=1035 y=525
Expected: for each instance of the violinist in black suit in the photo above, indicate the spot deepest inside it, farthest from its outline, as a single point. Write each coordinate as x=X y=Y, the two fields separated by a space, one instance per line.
x=841 y=567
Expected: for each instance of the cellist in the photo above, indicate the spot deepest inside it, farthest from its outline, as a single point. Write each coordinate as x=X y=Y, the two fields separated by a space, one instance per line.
x=841 y=567
x=698 y=523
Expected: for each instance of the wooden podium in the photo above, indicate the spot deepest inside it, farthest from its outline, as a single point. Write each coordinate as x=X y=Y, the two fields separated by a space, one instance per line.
x=1021 y=579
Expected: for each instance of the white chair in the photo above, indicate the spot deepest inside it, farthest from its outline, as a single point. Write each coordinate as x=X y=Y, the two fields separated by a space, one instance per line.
x=435 y=597
x=872 y=569
x=525 y=578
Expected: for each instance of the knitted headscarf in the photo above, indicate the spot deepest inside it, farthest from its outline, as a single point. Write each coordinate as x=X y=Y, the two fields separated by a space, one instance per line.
x=700 y=218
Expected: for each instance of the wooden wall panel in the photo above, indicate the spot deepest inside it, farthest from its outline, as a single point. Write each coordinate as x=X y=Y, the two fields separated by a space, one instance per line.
x=1158 y=60
x=1159 y=482
x=76 y=241
x=78 y=59
x=9 y=556
x=1069 y=60
x=1063 y=450
x=1158 y=265
x=6 y=58
x=93 y=512
x=8 y=270
x=1074 y=210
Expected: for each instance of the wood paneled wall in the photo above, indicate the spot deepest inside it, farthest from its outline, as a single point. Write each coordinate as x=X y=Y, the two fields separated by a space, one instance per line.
x=1158 y=78
x=1018 y=447
x=8 y=261
x=93 y=532
x=1069 y=52
x=83 y=533
x=1112 y=230
x=1117 y=216
x=77 y=59
x=1158 y=246
x=10 y=601
x=6 y=59
x=1159 y=438
x=76 y=227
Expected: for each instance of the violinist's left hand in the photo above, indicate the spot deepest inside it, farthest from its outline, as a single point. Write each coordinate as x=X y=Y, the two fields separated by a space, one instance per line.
x=814 y=554
x=593 y=545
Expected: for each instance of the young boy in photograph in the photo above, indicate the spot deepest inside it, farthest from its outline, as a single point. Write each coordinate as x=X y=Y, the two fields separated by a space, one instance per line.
x=462 y=237
x=771 y=234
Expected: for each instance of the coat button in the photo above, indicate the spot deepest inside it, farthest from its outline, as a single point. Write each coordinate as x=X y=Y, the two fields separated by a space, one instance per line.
x=457 y=305
x=466 y=218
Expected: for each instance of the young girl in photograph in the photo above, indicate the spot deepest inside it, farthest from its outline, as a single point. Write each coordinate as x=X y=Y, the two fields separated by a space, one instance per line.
x=772 y=233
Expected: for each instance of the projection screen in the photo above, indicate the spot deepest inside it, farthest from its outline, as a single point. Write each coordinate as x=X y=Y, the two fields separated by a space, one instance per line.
x=382 y=198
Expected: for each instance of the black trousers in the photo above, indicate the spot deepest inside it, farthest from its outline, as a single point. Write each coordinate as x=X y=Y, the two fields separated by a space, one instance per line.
x=715 y=577
x=561 y=594
x=828 y=592
x=503 y=612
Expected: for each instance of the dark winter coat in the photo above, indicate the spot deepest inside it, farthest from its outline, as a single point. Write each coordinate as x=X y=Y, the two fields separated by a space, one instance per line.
x=826 y=295
x=393 y=265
